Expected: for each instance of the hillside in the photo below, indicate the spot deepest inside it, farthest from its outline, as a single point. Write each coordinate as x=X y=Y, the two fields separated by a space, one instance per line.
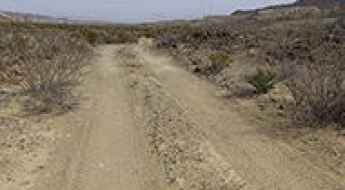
x=4 y=16
x=324 y=4
x=24 y=17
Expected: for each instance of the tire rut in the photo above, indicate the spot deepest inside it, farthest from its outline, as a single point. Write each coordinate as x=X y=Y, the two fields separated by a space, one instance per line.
x=187 y=158
x=102 y=147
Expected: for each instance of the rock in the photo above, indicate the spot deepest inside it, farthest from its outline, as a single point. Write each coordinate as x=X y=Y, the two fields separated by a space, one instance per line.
x=281 y=94
x=252 y=52
x=242 y=89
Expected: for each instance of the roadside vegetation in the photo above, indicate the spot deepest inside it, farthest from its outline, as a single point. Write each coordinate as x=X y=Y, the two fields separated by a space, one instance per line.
x=304 y=53
x=40 y=64
x=285 y=73
x=311 y=60
x=248 y=54
x=291 y=63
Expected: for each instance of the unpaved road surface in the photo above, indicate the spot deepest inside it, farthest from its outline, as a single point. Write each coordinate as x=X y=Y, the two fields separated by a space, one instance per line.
x=146 y=124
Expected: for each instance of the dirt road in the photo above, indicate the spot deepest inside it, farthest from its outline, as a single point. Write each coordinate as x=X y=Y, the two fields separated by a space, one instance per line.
x=102 y=147
x=147 y=124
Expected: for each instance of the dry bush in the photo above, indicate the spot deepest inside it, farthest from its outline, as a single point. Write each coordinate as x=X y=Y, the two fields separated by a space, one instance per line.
x=166 y=41
x=206 y=62
x=308 y=54
x=219 y=60
x=44 y=65
x=225 y=34
x=90 y=36
x=96 y=36
x=318 y=88
x=312 y=61
x=93 y=34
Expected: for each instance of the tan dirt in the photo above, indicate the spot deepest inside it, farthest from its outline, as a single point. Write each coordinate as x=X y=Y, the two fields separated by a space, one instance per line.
x=103 y=148
x=264 y=163
x=146 y=124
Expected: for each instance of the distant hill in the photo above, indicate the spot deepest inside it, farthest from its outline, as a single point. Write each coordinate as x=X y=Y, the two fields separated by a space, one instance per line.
x=323 y=4
x=4 y=16
x=298 y=8
x=24 y=17
x=37 y=18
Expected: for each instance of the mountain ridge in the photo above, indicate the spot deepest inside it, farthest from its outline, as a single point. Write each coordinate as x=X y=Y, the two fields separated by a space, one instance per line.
x=323 y=4
x=24 y=17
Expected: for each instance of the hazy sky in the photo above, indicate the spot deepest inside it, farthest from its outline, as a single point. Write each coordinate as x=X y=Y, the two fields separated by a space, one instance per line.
x=132 y=10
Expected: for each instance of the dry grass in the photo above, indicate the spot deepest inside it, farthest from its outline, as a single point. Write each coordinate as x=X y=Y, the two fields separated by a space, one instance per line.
x=42 y=65
x=312 y=61
x=307 y=54
x=45 y=61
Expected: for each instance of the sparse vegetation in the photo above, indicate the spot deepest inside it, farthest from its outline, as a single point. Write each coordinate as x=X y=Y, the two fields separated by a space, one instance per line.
x=45 y=61
x=220 y=58
x=44 y=66
x=306 y=53
x=219 y=61
x=312 y=61
x=284 y=67
x=263 y=81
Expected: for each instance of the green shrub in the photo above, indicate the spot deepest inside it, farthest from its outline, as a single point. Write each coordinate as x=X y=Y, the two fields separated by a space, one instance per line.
x=263 y=81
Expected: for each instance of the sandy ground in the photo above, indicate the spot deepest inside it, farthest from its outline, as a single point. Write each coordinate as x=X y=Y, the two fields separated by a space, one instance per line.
x=263 y=162
x=104 y=149
x=146 y=124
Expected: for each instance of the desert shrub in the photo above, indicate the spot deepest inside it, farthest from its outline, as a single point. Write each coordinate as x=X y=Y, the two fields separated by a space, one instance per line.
x=206 y=62
x=263 y=81
x=220 y=57
x=306 y=53
x=166 y=41
x=90 y=36
x=312 y=63
x=44 y=65
x=126 y=37
x=219 y=60
x=319 y=94
x=318 y=86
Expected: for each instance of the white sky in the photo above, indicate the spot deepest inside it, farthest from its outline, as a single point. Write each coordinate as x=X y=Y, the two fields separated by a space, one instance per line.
x=133 y=10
